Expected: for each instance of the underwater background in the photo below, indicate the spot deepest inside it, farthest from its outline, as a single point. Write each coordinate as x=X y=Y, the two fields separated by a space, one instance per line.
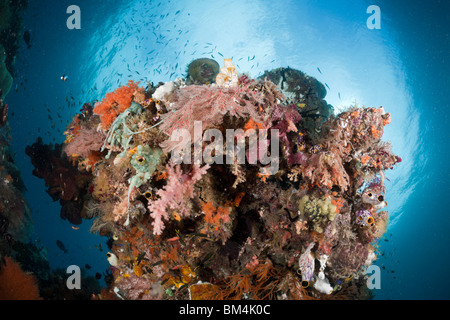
x=403 y=67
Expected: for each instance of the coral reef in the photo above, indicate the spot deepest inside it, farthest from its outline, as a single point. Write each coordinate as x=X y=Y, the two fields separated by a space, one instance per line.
x=205 y=217
x=15 y=216
x=10 y=36
x=5 y=77
x=304 y=92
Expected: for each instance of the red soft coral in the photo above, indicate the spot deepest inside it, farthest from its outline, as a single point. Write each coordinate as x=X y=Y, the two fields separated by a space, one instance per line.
x=16 y=284
x=114 y=103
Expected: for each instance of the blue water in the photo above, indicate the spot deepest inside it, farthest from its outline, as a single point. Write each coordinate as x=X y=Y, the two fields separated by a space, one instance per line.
x=403 y=66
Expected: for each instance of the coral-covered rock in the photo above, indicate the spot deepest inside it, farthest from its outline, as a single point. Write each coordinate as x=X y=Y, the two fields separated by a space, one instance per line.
x=347 y=258
x=213 y=212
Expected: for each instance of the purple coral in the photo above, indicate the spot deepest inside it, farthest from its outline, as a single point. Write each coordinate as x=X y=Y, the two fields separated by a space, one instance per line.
x=286 y=119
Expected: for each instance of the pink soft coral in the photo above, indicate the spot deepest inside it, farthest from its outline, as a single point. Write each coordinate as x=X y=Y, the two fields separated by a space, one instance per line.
x=208 y=104
x=175 y=195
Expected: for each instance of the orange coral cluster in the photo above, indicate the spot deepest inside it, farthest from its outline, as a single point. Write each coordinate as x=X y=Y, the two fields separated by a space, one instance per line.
x=375 y=132
x=364 y=159
x=215 y=216
x=114 y=103
x=16 y=284
x=73 y=130
x=136 y=239
x=261 y=281
x=338 y=203
x=252 y=124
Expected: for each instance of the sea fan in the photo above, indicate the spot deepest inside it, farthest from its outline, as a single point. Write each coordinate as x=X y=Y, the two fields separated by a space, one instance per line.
x=16 y=284
x=85 y=142
x=207 y=104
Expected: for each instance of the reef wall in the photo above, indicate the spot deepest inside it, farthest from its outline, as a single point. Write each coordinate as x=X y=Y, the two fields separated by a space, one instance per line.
x=286 y=206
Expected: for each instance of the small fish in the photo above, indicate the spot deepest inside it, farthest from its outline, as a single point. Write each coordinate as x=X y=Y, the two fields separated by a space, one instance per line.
x=339 y=95
x=201 y=235
x=157 y=263
x=87 y=266
x=61 y=246
x=180 y=237
x=64 y=78
x=319 y=70
x=207 y=257
x=141 y=257
x=27 y=38
x=238 y=199
x=184 y=286
x=315 y=149
x=327 y=86
x=98 y=276
x=149 y=270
